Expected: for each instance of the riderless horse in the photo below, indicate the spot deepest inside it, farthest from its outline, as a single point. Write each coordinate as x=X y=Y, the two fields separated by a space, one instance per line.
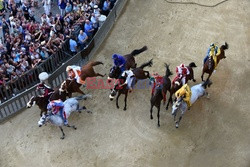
x=139 y=74
x=160 y=93
x=70 y=105
x=209 y=65
x=177 y=84
x=180 y=106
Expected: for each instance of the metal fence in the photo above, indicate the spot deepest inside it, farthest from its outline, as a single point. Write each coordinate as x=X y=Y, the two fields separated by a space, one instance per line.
x=18 y=93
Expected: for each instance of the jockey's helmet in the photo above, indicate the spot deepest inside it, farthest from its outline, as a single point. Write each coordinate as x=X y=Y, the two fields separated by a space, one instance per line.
x=68 y=68
x=182 y=65
x=115 y=56
x=212 y=45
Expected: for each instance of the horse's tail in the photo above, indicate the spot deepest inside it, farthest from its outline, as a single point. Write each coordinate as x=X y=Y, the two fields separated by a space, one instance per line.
x=224 y=47
x=168 y=72
x=94 y=63
x=149 y=63
x=83 y=97
x=207 y=83
x=192 y=65
x=138 y=51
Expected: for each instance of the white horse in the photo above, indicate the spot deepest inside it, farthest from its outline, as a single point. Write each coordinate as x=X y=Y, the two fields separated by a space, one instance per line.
x=70 y=105
x=180 y=105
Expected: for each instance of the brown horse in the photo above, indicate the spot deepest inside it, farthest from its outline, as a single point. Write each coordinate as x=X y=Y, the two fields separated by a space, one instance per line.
x=43 y=101
x=130 y=62
x=159 y=93
x=139 y=74
x=177 y=84
x=209 y=65
x=86 y=71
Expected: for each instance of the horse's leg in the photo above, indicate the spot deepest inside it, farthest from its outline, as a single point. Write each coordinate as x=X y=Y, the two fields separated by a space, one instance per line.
x=209 y=76
x=63 y=135
x=158 y=115
x=80 y=91
x=125 y=100
x=117 y=98
x=73 y=126
x=177 y=123
x=202 y=75
x=151 y=111
x=169 y=100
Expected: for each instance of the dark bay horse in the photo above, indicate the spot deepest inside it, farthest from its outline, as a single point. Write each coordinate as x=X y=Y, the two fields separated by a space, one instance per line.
x=177 y=84
x=130 y=62
x=159 y=93
x=71 y=86
x=43 y=101
x=209 y=65
x=139 y=74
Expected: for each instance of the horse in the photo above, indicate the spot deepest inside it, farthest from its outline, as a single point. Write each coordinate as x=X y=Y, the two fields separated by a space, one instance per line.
x=180 y=105
x=177 y=84
x=209 y=65
x=43 y=101
x=159 y=93
x=71 y=86
x=139 y=74
x=70 y=105
x=86 y=71
x=130 y=62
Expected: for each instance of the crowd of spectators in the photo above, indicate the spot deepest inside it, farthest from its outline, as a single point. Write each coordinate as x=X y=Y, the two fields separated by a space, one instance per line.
x=27 y=40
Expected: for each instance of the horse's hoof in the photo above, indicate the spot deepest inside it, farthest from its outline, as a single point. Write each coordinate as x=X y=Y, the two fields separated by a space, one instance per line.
x=124 y=109
x=177 y=126
x=166 y=108
x=90 y=112
x=159 y=125
x=194 y=80
x=74 y=127
x=62 y=137
x=117 y=107
x=151 y=117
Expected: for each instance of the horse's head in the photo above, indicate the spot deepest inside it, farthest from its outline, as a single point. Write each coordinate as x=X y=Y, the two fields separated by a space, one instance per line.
x=112 y=94
x=31 y=102
x=192 y=65
x=168 y=72
x=64 y=86
x=222 y=49
x=176 y=106
x=42 y=120
x=114 y=72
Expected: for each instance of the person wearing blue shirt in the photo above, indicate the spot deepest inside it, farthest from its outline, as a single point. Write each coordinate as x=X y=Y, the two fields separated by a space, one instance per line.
x=88 y=28
x=82 y=39
x=119 y=61
x=106 y=7
x=73 y=46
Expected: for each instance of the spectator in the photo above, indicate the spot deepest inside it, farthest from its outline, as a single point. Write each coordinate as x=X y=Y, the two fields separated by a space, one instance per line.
x=62 y=6
x=106 y=7
x=47 y=6
x=88 y=28
x=68 y=8
x=82 y=39
x=73 y=46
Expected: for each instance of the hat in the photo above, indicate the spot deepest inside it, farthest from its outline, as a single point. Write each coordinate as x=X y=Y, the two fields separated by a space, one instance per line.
x=68 y=68
x=115 y=56
x=211 y=45
x=95 y=7
x=43 y=43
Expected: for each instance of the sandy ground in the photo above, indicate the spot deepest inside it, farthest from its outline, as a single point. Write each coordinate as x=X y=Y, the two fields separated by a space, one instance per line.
x=215 y=132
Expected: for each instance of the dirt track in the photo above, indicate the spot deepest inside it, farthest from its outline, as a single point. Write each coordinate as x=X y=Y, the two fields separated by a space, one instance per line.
x=215 y=132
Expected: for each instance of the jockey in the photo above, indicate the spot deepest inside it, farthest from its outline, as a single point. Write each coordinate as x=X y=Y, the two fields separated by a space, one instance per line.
x=74 y=72
x=212 y=51
x=119 y=61
x=157 y=81
x=56 y=106
x=185 y=93
x=47 y=89
x=129 y=78
x=182 y=71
